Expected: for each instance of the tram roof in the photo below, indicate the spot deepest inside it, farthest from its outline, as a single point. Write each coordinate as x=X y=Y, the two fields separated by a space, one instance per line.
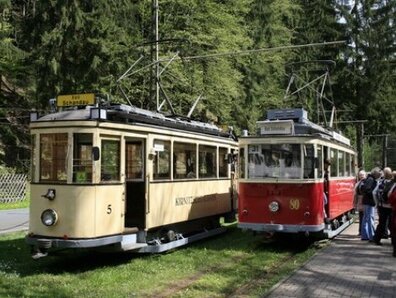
x=124 y=114
x=293 y=123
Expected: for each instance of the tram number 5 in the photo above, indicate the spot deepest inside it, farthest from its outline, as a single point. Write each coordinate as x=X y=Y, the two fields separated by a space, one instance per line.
x=294 y=204
x=109 y=209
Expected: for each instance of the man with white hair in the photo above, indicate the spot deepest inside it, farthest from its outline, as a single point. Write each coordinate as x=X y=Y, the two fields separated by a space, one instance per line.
x=369 y=184
x=358 y=197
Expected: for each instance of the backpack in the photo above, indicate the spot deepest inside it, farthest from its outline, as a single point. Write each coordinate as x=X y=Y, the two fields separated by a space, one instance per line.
x=360 y=187
x=387 y=185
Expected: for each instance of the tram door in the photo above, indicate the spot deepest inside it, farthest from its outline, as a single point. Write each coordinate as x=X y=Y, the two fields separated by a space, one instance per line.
x=135 y=184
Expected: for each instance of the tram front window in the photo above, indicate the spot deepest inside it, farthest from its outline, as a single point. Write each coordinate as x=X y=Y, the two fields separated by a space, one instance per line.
x=110 y=160
x=309 y=161
x=53 y=157
x=82 y=158
x=274 y=161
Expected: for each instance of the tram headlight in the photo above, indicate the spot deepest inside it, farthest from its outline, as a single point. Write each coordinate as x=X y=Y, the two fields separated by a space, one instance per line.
x=49 y=217
x=273 y=206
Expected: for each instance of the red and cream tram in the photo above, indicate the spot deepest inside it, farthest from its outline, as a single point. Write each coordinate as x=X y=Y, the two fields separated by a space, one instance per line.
x=285 y=185
x=116 y=176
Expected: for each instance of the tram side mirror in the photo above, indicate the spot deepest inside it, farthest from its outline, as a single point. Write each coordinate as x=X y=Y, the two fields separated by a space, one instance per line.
x=95 y=153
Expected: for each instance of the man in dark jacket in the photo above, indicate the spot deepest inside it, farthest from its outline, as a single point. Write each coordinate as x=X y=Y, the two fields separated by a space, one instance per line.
x=367 y=232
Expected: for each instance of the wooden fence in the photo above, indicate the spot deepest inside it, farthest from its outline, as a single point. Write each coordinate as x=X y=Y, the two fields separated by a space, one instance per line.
x=12 y=187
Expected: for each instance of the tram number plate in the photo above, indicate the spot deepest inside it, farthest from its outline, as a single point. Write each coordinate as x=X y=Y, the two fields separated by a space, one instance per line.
x=294 y=204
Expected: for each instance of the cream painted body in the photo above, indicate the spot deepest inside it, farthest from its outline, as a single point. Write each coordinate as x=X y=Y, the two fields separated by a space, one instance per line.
x=182 y=201
x=84 y=211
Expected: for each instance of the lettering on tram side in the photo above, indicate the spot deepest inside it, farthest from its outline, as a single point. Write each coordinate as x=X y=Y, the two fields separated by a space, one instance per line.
x=193 y=200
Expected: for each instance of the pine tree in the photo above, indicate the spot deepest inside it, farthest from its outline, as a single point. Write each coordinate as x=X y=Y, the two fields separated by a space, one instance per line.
x=270 y=24
x=78 y=46
x=14 y=92
x=369 y=60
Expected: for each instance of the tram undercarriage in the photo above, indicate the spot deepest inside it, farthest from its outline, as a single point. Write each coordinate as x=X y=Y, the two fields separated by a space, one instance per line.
x=134 y=240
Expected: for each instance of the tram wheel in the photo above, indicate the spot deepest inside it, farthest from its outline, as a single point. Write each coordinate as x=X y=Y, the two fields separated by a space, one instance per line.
x=335 y=224
x=170 y=236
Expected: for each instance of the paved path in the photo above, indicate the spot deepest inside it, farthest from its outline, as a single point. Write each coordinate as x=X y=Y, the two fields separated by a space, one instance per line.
x=14 y=220
x=348 y=267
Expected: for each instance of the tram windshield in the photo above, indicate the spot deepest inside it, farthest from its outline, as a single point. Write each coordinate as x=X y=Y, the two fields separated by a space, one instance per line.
x=274 y=160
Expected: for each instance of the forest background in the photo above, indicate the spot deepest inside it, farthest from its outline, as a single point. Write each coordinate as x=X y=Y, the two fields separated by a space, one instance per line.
x=57 y=47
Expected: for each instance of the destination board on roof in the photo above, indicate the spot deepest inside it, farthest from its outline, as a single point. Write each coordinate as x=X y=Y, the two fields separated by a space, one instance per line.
x=75 y=100
x=281 y=127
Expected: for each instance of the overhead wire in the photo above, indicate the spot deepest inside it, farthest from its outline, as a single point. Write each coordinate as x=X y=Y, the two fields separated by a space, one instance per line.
x=248 y=52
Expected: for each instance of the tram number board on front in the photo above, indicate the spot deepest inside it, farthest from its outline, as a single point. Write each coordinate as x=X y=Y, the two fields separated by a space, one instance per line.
x=294 y=204
x=75 y=100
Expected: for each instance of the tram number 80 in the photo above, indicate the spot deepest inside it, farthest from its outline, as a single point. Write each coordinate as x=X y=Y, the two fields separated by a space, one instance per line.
x=294 y=204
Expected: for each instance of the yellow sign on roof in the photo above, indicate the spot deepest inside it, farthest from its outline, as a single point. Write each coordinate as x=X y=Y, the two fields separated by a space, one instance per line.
x=75 y=100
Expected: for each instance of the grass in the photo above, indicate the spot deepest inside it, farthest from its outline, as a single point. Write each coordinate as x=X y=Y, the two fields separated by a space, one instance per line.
x=236 y=263
x=17 y=205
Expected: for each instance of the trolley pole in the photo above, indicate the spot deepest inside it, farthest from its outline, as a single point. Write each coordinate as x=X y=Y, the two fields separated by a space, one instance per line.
x=384 y=152
x=360 y=143
x=155 y=87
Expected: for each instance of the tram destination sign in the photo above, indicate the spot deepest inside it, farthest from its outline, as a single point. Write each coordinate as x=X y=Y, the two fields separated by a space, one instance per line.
x=279 y=127
x=75 y=100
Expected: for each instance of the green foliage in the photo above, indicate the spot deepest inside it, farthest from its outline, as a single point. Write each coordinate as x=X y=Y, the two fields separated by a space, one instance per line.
x=368 y=75
x=270 y=24
x=372 y=155
x=53 y=47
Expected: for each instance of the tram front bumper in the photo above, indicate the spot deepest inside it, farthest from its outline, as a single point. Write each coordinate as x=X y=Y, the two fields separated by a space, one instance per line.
x=46 y=243
x=281 y=227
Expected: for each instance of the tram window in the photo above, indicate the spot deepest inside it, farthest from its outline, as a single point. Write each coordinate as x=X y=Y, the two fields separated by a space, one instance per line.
x=242 y=162
x=274 y=161
x=110 y=160
x=161 y=162
x=309 y=161
x=223 y=162
x=334 y=163
x=82 y=158
x=53 y=157
x=207 y=162
x=347 y=165
x=184 y=159
x=320 y=161
x=134 y=160
x=341 y=163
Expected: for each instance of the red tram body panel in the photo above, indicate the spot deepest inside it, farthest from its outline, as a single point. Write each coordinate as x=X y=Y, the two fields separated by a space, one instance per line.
x=295 y=177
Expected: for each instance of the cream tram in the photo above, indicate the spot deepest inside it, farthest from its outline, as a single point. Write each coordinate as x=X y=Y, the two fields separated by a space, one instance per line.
x=120 y=177
x=296 y=177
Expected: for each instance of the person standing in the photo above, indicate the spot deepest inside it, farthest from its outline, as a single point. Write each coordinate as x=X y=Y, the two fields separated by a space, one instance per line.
x=383 y=206
x=369 y=184
x=392 y=202
x=358 y=197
